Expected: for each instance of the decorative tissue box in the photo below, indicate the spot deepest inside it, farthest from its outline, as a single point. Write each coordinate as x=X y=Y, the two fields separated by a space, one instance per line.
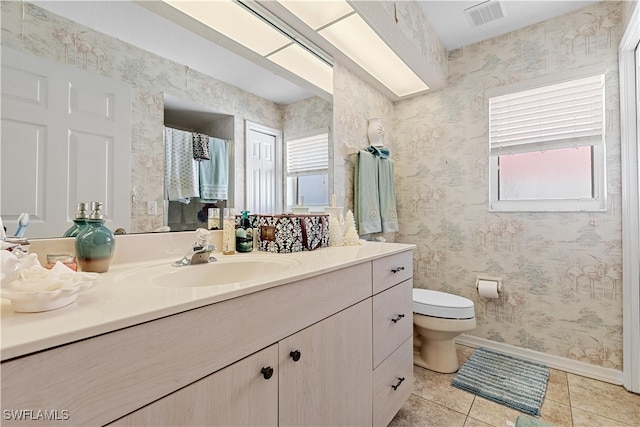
x=292 y=233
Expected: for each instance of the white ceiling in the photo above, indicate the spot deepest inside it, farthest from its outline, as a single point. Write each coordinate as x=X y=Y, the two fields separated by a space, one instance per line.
x=448 y=18
x=135 y=24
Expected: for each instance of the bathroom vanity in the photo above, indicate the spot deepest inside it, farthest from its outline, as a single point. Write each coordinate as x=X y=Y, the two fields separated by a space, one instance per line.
x=324 y=340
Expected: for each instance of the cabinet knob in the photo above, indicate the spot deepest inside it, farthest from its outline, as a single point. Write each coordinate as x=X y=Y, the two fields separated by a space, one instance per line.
x=395 y=387
x=295 y=355
x=267 y=372
x=397 y=318
x=397 y=269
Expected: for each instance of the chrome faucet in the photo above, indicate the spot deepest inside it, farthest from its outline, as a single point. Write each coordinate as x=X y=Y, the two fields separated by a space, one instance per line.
x=201 y=251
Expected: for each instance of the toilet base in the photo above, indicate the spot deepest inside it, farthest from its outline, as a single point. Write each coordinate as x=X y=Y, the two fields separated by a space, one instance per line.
x=438 y=356
x=433 y=341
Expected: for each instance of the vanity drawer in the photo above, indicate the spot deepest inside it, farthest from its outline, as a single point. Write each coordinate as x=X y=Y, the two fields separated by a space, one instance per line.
x=388 y=400
x=392 y=320
x=392 y=270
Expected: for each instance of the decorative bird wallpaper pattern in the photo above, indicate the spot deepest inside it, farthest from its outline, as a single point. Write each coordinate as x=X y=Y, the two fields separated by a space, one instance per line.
x=562 y=271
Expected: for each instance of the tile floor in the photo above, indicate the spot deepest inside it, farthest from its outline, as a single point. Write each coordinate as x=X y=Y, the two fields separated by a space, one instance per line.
x=570 y=400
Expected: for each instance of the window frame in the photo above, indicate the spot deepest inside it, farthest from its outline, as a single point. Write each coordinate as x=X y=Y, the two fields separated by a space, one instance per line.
x=293 y=186
x=597 y=203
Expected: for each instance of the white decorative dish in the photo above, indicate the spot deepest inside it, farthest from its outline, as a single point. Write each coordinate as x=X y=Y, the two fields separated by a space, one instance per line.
x=36 y=301
x=32 y=288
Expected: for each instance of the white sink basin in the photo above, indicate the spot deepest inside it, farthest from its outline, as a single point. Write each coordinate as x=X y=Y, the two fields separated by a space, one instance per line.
x=225 y=271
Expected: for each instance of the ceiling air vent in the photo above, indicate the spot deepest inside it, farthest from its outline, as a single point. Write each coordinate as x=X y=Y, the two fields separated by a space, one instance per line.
x=485 y=12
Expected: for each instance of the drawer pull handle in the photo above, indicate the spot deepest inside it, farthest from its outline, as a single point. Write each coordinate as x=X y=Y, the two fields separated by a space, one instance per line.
x=397 y=269
x=267 y=372
x=395 y=387
x=295 y=355
x=397 y=318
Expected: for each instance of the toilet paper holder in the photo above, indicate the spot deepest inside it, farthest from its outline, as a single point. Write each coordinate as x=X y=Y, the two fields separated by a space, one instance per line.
x=489 y=283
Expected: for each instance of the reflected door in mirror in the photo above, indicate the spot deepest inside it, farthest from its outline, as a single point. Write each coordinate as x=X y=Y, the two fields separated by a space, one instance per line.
x=263 y=170
x=61 y=139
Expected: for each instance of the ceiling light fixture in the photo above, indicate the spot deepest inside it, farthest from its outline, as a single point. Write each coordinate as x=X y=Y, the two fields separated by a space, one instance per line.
x=340 y=25
x=285 y=29
x=265 y=34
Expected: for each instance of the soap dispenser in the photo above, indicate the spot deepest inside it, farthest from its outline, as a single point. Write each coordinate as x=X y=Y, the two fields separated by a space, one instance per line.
x=95 y=242
x=244 y=234
x=79 y=222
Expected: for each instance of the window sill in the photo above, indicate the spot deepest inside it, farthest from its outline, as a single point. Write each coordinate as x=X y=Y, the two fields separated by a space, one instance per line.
x=589 y=205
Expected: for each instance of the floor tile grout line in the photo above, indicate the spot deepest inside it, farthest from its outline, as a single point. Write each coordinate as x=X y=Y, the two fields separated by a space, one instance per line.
x=597 y=414
x=471 y=406
x=616 y=421
x=469 y=411
x=441 y=405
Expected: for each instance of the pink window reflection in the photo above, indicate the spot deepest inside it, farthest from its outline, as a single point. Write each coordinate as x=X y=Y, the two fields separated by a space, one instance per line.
x=556 y=174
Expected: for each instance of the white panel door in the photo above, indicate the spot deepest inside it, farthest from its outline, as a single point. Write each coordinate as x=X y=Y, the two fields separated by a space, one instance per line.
x=263 y=170
x=66 y=137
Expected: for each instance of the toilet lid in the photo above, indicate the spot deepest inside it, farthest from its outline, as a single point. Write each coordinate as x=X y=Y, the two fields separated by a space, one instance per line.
x=441 y=304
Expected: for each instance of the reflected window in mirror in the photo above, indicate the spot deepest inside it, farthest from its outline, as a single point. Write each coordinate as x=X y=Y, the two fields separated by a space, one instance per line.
x=307 y=166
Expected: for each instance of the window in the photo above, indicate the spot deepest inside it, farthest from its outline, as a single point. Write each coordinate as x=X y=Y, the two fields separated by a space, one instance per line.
x=547 y=149
x=308 y=171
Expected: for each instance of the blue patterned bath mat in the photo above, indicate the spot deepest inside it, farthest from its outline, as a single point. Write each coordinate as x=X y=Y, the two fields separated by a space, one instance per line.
x=508 y=380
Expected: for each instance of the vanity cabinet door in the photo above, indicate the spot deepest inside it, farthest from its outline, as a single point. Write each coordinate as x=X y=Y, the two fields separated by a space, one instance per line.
x=242 y=394
x=325 y=371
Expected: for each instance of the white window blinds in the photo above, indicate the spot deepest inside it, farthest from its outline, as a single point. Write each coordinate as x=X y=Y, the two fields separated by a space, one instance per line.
x=561 y=115
x=308 y=155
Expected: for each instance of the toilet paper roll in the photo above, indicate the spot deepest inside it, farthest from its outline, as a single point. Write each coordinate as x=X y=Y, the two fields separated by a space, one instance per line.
x=488 y=289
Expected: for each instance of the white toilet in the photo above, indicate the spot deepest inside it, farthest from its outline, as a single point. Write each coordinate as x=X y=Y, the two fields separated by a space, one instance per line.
x=438 y=318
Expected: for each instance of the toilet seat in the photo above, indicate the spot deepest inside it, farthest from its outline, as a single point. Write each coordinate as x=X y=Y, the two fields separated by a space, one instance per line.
x=441 y=304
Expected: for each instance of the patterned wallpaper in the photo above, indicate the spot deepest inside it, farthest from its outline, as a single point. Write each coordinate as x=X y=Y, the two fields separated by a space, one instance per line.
x=309 y=114
x=350 y=119
x=31 y=29
x=417 y=28
x=562 y=271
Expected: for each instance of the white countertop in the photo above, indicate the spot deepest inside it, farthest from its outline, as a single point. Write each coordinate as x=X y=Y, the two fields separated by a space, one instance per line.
x=122 y=299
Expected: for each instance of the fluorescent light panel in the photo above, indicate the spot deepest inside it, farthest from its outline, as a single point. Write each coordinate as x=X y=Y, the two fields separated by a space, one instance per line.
x=359 y=42
x=317 y=14
x=237 y=23
x=298 y=60
x=337 y=22
x=233 y=21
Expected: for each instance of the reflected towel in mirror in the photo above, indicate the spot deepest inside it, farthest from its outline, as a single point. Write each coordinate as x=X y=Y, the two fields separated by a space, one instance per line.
x=181 y=171
x=214 y=173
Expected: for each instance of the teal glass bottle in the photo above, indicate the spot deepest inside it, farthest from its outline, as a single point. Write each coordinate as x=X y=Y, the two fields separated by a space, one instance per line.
x=79 y=222
x=95 y=242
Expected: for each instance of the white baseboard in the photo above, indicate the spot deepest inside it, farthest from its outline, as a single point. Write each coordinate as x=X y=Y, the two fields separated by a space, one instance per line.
x=562 y=363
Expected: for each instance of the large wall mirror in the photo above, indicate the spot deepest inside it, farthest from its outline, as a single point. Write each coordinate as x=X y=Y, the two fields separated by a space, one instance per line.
x=103 y=38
